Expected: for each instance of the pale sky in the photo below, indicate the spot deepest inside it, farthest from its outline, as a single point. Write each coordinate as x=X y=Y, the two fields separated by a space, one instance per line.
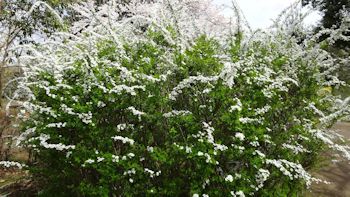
x=260 y=12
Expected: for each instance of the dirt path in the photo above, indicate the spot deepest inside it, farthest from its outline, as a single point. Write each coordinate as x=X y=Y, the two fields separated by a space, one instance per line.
x=338 y=173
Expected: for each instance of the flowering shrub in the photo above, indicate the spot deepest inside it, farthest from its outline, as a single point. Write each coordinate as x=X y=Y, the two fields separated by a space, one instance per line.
x=142 y=106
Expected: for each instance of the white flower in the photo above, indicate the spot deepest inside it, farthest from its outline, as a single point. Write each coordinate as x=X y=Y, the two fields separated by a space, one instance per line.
x=57 y=125
x=151 y=172
x=240 y=136
x=176 y=113
x=124 y=139
x=237 y=194
x=90 y=161
x=86 y=117
x=295 y=148
x=254 y=143
x=150 y=149
x=59 y=147
x=121 y=127
x=237 y=107
x=240 y=194
x=118 y=89
x=68 y=154
x=229 y=178
x=9 y=164
x=100 y=104
x=131 y=155
x=187 y=83
x=115 y=158
x=188 y=149
x=99 y=159
x=259 y=153
x=130 y=172
x=249 y=120
x=261 y=177
x=136 y=112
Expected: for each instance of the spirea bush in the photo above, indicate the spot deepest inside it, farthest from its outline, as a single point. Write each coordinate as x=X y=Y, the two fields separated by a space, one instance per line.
x=150 y=105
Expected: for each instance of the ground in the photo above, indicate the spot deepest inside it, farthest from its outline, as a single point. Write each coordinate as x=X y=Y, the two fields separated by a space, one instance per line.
x=337 y=172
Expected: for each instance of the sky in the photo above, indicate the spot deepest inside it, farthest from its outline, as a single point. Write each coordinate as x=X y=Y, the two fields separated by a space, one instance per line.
x=259 y=13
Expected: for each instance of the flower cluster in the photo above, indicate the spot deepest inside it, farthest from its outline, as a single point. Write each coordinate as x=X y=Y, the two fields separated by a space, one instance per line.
x=9 y=164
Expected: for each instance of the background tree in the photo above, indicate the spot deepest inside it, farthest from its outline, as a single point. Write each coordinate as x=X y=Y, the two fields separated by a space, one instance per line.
x=24 y=21
x=332 y=15
x=30 y=22
x=331 y=10
x=334 y=12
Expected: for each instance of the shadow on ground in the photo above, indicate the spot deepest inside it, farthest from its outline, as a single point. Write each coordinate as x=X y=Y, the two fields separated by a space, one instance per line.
x=338 y=173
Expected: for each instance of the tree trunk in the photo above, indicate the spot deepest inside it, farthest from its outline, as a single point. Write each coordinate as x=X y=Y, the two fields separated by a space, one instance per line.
x=1 y=85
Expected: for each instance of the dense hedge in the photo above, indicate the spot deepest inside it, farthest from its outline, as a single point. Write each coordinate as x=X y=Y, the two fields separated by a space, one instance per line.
x=155 y=117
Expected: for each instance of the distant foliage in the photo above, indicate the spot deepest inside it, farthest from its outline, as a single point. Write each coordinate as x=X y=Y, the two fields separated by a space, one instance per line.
x=333 y=15
x=332 y=10
x=167 y=103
